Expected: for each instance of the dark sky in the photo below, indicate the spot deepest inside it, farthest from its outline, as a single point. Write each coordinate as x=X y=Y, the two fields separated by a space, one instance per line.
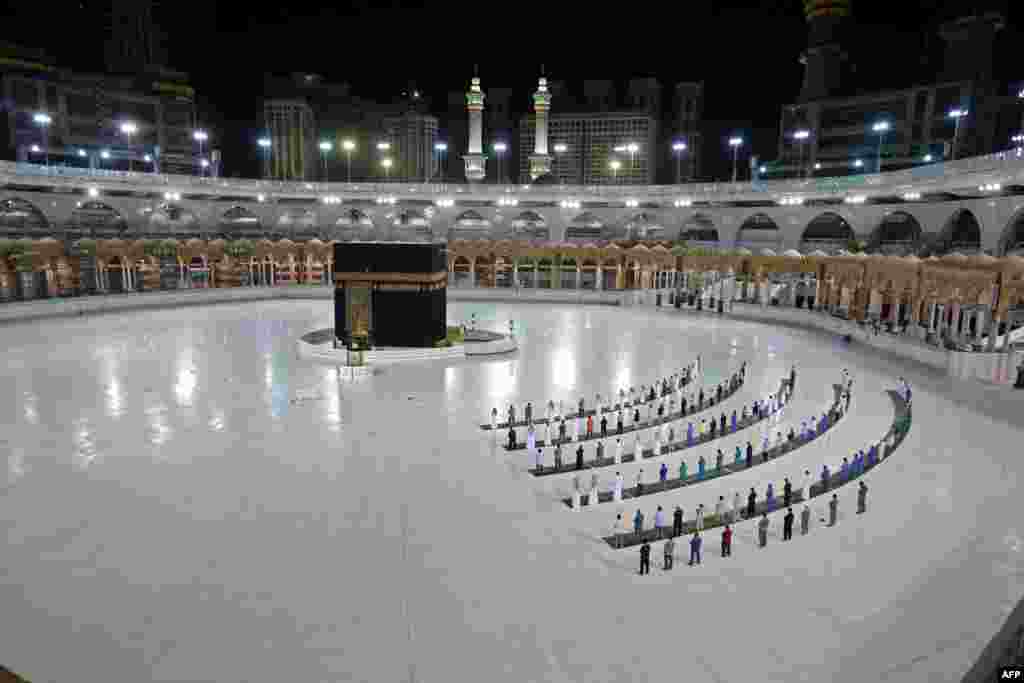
x=747 y=57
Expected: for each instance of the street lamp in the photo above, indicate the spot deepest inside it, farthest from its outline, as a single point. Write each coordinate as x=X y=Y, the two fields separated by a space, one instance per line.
x=678 y=148
x=43 y=120
x=441 y=148
x=325 y=147
x=881 y=128
x=264 y=144
x=956 y=115
x=499 y=148
x=104 y=155
x=632 y=148
x=348 y=146
x=560 y=149
x=927 y=158
x=800 y=136
x=129 y=129
x=615 y=165
x=735 y=144
x=1019 y=139
x=858 y=163
x=204 y=164
x=201 y=137
x=146 y=158
x=82 y=154
x=386 y=163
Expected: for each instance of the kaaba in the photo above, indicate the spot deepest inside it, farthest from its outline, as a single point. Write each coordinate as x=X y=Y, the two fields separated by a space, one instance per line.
x=390 y=293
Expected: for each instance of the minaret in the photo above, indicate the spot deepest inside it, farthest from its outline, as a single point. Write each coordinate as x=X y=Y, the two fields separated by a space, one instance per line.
x=540 y=160
x=476 y=161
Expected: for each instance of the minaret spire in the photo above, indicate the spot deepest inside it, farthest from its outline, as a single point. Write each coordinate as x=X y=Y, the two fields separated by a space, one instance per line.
x=474 y=157
x=540 y=160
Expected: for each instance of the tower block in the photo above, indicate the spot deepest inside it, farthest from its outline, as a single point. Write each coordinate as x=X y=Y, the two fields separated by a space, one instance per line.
x=476 y=161
x=540 y=160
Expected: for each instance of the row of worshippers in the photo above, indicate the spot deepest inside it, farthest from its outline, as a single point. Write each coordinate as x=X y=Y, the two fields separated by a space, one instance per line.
x=676 y=382
x=583 y=427
x=760 y=531
x=808 y=431
x=664 y=436
x=727 y=513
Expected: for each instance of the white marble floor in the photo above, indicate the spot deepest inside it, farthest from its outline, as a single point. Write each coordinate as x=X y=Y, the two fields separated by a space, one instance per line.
x=186 y=500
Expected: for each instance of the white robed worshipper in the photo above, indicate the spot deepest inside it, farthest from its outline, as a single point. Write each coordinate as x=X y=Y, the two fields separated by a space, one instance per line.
x=618 y=451
x=577 y=428
x=657 y=445
x=637 y=452
x=617 y=490
x=805 y=488
x=576 y=499
x=737 y=505
x=494 y=418
x=595 y=483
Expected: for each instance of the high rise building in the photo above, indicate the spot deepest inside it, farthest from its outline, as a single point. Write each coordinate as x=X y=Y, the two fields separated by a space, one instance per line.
x=824 y=58
x=411 y=136
x=585 y=146
x=291 y=127
x=688 y=112
x=86 y=112
x=133 y=41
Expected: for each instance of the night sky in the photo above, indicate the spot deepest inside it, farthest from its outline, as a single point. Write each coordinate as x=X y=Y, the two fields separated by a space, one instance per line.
x=748 y=58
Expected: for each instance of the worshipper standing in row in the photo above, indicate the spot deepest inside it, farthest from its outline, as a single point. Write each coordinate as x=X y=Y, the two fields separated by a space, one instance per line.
x=762 y=531
x=862 y=498
x=787 y=525
x=833 y=510
x=695 y=543
x=805 y=519
x=726 y=541
x=677 y=521
x=670 y=549
x=645 y=558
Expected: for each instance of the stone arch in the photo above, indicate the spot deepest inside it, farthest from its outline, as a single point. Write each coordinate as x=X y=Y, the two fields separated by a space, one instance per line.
x=759 y=231
x=96 y=215
x=897 y=233
x=644 y=225
x=828 y=232
x=21 y=214
x=239 y=220
x=585 y=226
x=471 y=218
x=699 y=227
x=1012 y=239
x=962 y=232
x=297 y=219
x=530 y=224
x=169 y=217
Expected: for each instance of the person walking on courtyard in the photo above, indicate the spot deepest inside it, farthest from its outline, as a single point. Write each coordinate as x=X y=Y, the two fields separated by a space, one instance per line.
x=700 y=398
x=737 y=507
x=538 y=460
x=640 y=482
x=511 y=415
x=695 y=543
x=638 y=451
x=826 y=477
x=636 y=418
x=718 y=461
x=494 y=419
x=805 y=519
x=733 y=421
x=752 y=504
x=787 y=493
x=726 y=541
x=590 y=426
x=617 y=491
x=699 y=520
x=579 y=457
x=618 y=425
x=689 y=435
x=770 y=498
x=600 y=452
x=638 y=522
x=561 y=430
x=720 y=509
x=663 y=473
x=558 y=457
x=531 y=438
x=738 y=458
x=593 y=497
x=670 y=551
x=618 y=531
x=528 y=413
x=787 y=525
x=682 y=471
x=701 y=463
x=862 y=498
x=683 y=405
x=762 y=531
x=833 y=510
x=750 y=455
x=618 y=451
x=844 y=471
x=511 y=438
x=645 y=558
x=805 y=489
x=677 y=521
x=604 y=426
x=582 y=412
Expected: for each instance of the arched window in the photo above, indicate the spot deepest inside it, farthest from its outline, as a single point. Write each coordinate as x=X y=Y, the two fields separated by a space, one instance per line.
x=897 y=233
x=828 y=232
x=22 y=214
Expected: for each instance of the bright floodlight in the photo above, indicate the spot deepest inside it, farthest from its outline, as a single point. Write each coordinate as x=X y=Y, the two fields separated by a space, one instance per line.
x=802 y=134
x=560 y=148
x=858 y=163
x=204 y=163
x=927 y=157
x=263 y=142
x=386 y=163
x=35 y=148
x=81 y=153
x=105 y=154
x=619 y=148
x=763 y=169
x=678 y=146
x=383 y=146
x=147 y=158
x=632 y=147
x=880 y=127
x=614 y=164
x=129 y=128
x=500 y=147
x=441 y=146
x=735 y=142
x=94 y=192
x=348 y=145
x=817 y=166
x=957 y=113
x=326 y=146
x=42 y=119
x=200 y=136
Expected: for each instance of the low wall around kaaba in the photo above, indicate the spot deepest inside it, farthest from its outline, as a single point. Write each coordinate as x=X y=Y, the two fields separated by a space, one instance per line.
x=390 y=293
